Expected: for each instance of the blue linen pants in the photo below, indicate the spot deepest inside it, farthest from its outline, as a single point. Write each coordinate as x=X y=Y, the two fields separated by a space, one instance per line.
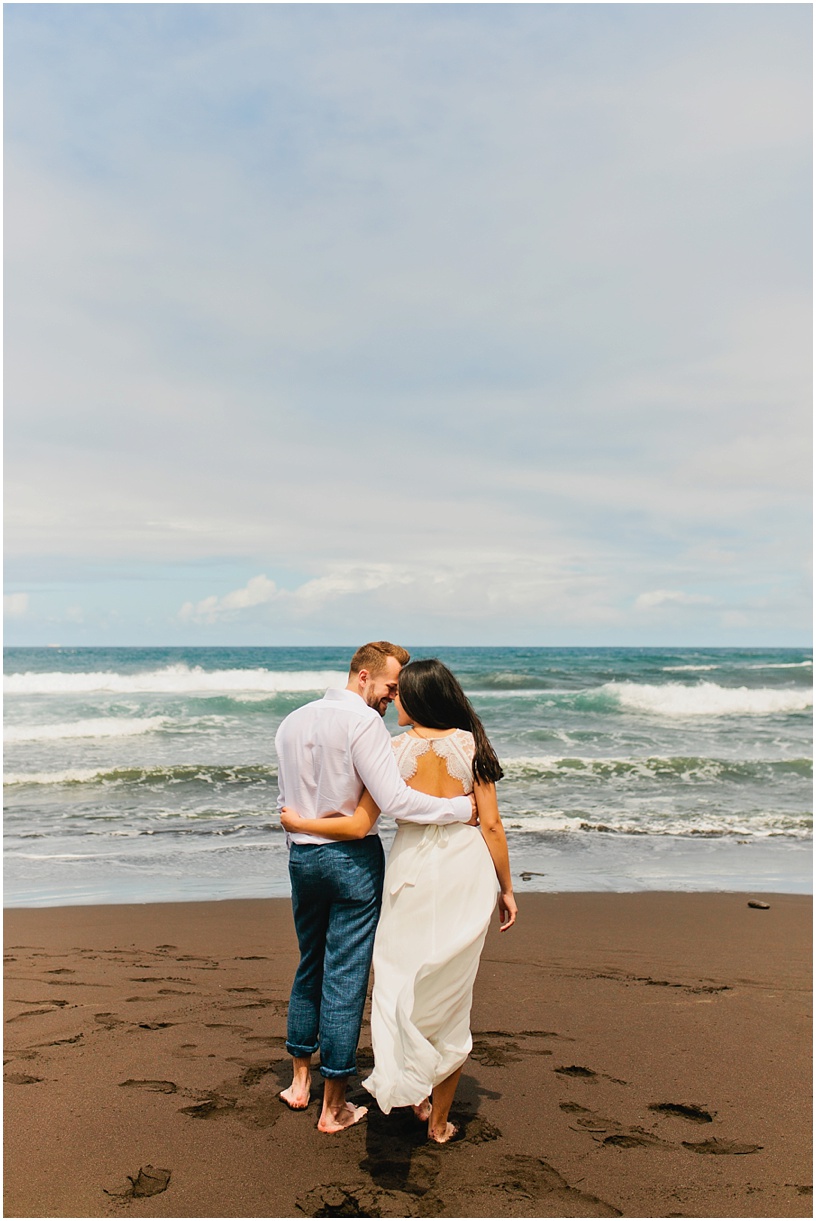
x=336 y=899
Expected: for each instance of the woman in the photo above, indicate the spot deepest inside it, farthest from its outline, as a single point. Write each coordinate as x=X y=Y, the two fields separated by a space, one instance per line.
x=439 y=894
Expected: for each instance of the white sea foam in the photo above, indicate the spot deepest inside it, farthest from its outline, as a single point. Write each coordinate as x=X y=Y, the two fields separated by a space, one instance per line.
x=72 y=775
x=177 y=679
x=103 y=727
x=677 y=669
x=656 y=769
x=620 y=822
x=708 y=699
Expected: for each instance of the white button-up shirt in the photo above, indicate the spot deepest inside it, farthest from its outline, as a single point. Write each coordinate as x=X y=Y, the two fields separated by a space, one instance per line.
x=332 y=749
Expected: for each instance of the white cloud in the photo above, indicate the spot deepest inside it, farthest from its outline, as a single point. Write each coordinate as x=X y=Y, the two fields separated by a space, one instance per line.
x=453 y=592
x=257 y=592
x=15 y=606
x=659 y=597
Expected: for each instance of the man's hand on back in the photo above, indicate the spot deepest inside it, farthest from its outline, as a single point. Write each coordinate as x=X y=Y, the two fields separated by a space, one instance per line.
x=474 y=813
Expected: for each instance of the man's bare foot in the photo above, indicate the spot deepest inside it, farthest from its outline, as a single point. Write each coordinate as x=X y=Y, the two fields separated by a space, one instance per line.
x=339 y=1118
x=296 y=1096
x=423 y=1110
x=443 y=1135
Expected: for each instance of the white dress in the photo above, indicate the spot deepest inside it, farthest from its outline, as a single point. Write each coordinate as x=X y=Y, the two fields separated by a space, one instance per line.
x=439 y=894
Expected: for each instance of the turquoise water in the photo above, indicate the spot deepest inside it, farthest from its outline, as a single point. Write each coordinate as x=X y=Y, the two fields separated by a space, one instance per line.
x=147 y=774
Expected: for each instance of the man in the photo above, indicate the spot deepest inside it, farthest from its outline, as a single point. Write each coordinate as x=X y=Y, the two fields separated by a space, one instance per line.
x=328 y=752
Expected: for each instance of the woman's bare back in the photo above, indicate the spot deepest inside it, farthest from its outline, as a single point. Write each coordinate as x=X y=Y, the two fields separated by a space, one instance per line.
x=440 y=766
x=432 y=776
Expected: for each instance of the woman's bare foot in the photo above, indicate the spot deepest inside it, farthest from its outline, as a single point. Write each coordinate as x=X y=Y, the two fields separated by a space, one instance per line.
x=337 y=1119
x=441 y=1136
x=422 y=1110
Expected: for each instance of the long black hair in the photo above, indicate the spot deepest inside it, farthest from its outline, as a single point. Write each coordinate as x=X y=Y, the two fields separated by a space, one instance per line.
x=433 y=697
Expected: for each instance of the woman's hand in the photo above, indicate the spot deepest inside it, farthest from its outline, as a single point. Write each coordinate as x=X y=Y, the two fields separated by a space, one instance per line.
x=508 y=910
x=290 y=821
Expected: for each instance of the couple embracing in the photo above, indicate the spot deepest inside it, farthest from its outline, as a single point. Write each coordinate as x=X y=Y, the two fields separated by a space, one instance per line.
x=339 y=769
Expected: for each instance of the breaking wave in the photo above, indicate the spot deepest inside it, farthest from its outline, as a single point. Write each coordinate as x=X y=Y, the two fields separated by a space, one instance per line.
x=103 y=727
x=707 y=699
x=173 y=680
x=685 y=769
x=181 y=774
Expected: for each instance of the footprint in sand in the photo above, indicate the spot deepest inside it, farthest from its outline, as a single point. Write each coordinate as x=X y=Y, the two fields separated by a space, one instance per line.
x=476 y=1130
x=28 y=1013
x=497 y=1048
x=150 y=1181
x=531 y=1178
x=493 y=1056
x=715 y=1145
x=256 y=1072
x=77 y=1038
x=618 y=1135
x=157 y=1087
x=577 y=1070
x=635 y=1138
x=18 y=1000
x=586 y=1120
x=355 y=1200
x=690 y=1111
x=108 y=1020
x=209 y=1107
x=581 y=1073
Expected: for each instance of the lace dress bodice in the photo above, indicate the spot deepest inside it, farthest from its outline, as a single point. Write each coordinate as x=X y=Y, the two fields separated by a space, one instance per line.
x=456 y=749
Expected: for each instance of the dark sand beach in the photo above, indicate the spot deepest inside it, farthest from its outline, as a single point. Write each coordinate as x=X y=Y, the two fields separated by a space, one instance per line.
x=634 y=1054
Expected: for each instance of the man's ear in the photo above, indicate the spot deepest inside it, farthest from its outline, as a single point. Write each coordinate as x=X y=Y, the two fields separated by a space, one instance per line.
x=362 y=677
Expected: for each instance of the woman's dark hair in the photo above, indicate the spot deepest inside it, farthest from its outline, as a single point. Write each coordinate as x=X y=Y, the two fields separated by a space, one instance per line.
x=432 y=696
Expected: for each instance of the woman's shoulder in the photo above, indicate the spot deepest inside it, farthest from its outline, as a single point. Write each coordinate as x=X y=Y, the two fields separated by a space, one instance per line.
x=402 y=741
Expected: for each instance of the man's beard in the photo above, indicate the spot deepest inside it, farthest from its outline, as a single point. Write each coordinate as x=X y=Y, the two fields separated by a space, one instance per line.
x=379 y=705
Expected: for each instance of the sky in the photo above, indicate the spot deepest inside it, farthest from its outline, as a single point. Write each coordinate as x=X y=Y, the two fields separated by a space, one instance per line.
x=447 y=323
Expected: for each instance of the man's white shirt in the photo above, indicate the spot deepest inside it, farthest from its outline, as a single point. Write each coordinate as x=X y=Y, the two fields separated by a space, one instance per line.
x=332 y=749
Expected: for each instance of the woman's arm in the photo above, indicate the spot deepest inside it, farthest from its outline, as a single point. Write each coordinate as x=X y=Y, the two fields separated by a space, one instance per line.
x=490 y=825
x=335 y=826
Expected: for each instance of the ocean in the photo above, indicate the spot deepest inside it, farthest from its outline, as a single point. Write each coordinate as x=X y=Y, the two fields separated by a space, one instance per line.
x=141 y=775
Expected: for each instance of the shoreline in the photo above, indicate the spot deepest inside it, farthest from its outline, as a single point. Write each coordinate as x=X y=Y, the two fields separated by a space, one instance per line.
x=600 y=863
x=638 y=1054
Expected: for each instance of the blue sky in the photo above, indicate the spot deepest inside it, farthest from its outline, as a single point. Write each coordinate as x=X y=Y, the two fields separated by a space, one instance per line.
x=463 y=324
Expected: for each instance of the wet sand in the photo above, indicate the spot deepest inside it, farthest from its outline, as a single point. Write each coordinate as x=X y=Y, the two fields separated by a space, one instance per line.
x=634 y=1055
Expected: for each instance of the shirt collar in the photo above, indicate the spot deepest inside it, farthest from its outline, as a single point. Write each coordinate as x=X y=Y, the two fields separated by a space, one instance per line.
x=341 y=695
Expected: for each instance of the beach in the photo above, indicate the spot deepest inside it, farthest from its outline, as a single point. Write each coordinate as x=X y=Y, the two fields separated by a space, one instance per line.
x=640 y=1054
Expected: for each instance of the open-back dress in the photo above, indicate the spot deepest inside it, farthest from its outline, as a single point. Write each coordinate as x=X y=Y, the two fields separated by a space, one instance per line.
x=439 y=894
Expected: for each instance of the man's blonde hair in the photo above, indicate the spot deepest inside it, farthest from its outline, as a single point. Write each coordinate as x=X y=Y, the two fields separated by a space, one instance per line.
x=374 y=656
